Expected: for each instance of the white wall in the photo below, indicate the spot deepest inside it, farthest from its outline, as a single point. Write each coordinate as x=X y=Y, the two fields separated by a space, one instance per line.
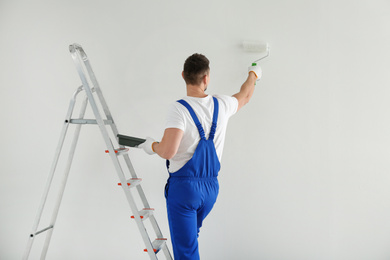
x=305 y=168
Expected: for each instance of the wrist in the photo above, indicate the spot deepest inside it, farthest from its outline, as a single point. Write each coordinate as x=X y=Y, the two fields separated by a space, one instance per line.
x=153 y=146
x=252 y=75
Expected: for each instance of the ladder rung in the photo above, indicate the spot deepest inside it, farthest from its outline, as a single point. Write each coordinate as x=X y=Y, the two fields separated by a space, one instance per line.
x=145 y=213
x=157 y=244
x=43 y=230
x=88 y=121
x=119 y=151
x=132 y=182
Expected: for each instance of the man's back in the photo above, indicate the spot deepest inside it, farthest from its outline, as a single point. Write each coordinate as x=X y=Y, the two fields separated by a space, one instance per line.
x=179 y=117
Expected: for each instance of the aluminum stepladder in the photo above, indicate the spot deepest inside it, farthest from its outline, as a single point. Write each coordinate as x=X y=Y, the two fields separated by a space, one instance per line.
x=92 y=89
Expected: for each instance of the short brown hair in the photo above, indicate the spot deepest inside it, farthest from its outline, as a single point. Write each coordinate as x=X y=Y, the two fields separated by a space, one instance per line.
x=195 y=68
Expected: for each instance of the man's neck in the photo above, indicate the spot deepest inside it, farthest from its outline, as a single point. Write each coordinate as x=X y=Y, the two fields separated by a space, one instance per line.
x=196 y=91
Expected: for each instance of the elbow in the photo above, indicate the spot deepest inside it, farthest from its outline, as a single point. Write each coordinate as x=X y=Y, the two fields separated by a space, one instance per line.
x=167 y=154
x=168 y=157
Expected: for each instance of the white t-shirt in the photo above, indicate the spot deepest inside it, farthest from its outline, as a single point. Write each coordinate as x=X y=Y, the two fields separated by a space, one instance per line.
x=179 y=117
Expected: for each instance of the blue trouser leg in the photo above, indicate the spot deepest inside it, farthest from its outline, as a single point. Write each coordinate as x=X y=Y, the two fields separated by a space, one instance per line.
x=188 y=203
x=183 y=227
x=209 y=193
x=182 y=201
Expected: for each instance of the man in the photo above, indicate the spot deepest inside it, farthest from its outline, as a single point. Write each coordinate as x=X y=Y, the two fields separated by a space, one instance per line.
x=192 y=144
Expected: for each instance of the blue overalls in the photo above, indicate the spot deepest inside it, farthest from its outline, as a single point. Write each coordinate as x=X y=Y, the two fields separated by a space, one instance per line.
x=192 y=191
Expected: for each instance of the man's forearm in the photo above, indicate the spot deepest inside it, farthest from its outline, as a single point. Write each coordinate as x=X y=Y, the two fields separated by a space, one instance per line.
x=249 y=86
x=169 y=144
x=163 y=150
x=246 y=90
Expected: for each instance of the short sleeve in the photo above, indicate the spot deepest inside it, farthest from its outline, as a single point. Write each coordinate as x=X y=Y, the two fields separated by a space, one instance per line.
x=175 y=118
x=230 y=103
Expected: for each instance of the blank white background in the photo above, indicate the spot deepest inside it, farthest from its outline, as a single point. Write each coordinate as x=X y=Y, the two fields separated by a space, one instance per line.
x=305 y=171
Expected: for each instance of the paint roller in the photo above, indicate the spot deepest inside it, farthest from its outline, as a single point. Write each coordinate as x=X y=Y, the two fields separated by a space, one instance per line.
x=256 y=47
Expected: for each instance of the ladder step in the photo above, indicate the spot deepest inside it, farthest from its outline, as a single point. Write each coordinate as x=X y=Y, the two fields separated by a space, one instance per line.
x=132 y=182
x=119 y=151
x=145 y=213
x=157 y=244
x=87 y=121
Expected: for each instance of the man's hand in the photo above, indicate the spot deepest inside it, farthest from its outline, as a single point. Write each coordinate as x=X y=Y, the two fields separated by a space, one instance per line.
x=257 y=70
x=147 y=145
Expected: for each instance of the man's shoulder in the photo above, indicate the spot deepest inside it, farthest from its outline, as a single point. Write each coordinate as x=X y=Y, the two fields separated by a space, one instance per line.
x=177 y=105
x=229 y=103
x=229 y=100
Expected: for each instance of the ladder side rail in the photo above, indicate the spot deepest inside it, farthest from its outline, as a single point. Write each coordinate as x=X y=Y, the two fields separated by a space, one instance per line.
x=51 y=173
x=64 y=180
x=97 y=89
x=107 y=112
x=139 y=189
x=134 y=175
x=140 y=224
x=143 y=197
x=80 y=59
x=129 y=165
x=155 y=226
x=167 y=253
x=84 y=59
x=122 y=179
x=78 y=62
x=145 y=202
x=103 y=102
x=126 y=156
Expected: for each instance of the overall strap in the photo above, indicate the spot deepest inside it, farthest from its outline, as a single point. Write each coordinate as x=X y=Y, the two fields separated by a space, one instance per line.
x=194 y=117
x=215 y=119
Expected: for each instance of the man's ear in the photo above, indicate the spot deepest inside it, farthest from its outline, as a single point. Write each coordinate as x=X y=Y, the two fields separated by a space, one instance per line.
x=182 y=74
x=205 y=80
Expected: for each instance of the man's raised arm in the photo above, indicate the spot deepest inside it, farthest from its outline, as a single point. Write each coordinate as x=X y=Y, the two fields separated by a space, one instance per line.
x=248 y=87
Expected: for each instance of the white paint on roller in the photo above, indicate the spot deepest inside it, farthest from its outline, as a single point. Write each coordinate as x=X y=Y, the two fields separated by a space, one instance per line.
x=255 y=46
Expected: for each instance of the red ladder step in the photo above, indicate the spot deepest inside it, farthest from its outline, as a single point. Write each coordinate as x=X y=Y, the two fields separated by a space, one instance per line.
x=132 y=182
x=145 y=213
x=157 y=244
